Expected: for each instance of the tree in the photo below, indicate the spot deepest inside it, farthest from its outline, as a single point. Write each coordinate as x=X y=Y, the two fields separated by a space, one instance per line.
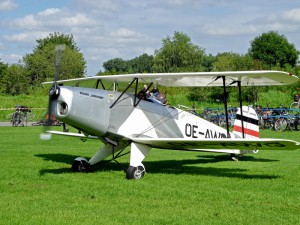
x=273 y=49
x=229 y=61
x=41 y=63
x=116 y=65
x=178 y=54
x=14 y=80
x=142 y=64
x=3 y=67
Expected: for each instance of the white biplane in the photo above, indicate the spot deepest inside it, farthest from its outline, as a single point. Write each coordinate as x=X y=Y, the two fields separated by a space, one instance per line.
x=120 y=118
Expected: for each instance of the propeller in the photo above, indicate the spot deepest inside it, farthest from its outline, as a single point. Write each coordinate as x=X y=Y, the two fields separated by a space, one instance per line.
x=54 y=92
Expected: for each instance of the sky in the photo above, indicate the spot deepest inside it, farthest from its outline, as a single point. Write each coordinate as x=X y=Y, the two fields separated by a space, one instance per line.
x=107 y=29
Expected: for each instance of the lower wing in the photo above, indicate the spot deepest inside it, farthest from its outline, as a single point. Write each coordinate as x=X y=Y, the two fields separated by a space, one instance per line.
x=219 y=144
x=69 y=134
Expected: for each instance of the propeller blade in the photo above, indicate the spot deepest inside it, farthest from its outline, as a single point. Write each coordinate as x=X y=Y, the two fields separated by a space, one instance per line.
x=53 y=94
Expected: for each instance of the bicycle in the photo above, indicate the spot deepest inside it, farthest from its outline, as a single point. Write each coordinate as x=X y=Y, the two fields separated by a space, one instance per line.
x=296 y=103
x=266 y=118
x=21 y=116
x=287 y=121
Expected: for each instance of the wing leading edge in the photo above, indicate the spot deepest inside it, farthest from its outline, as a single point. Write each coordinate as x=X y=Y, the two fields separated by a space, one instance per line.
x=197 y=79
x=219 y=144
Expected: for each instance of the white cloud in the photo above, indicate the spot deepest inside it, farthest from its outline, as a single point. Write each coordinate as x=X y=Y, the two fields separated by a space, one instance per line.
x=7 y=5
x=124 y=33
x=292 y=15
x=25 y=37
x=48 y=12
x=10 y=58
x=119 y=28
x=52 y=18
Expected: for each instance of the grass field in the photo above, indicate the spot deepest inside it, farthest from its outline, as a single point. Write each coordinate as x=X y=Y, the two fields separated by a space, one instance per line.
x=37 y=186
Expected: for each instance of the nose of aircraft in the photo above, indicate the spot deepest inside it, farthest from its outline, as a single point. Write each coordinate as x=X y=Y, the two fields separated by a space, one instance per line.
x=64 y=102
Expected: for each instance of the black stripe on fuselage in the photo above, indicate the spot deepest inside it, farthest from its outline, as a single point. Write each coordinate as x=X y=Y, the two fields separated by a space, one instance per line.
x=247 y=119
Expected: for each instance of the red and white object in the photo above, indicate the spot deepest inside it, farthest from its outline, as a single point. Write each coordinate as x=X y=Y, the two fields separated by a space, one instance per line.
x=247 y=121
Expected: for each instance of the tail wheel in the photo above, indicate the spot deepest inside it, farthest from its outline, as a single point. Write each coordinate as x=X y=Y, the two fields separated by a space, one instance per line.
x=135 y=172
x=81 y=165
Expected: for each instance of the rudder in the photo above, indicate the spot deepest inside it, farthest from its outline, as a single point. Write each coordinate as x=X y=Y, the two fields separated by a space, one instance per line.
x=248 y=122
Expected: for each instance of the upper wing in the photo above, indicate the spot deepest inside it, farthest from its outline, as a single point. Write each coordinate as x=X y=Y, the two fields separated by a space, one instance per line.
x=219 y=144
x=194 y=79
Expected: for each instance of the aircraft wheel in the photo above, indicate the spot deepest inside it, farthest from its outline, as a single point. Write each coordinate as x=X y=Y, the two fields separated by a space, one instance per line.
x=81 y=165
x=135 y=172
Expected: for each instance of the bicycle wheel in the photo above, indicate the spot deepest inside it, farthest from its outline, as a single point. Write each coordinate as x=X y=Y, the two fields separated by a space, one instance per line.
x=293 y=124
x=280 y=124
x=30 y=116
x=16 y=119
x=294 y=105
x=9 y=116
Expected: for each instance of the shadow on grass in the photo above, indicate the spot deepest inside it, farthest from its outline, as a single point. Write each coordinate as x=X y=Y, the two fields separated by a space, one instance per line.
x=167 y=166
x=219 y=158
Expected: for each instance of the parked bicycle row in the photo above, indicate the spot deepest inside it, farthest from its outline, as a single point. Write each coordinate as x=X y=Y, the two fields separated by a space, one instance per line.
x=278 y=119
x=24 y=114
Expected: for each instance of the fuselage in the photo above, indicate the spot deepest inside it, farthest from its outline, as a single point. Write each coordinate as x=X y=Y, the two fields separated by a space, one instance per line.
x=96 y=112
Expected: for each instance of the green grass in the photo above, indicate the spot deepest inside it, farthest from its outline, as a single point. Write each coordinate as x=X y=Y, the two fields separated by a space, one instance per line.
x=37 y=186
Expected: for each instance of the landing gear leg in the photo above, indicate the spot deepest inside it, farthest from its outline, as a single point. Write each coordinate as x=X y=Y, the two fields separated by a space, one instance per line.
x=136 y=169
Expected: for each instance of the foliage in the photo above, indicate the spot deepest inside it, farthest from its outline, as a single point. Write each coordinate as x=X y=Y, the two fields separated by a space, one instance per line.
x=178 y=54
x=273 y=49
x=140 y=64
x=227 y=61
x=116 y=65
x=3 y=67
x=56 y=39
x=41 y=64
x=14 y=80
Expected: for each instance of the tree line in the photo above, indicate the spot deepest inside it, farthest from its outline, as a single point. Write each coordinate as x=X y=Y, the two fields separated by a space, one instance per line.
x=269 y=50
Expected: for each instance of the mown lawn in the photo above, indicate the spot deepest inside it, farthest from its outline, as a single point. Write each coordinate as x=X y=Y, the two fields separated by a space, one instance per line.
x=37 y=186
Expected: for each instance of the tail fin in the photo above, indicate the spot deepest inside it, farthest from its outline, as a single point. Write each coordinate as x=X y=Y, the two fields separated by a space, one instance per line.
x=247 y=124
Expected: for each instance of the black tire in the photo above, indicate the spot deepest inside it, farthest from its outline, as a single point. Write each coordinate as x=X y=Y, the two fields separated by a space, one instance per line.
x=81 y=166
x=135 y=172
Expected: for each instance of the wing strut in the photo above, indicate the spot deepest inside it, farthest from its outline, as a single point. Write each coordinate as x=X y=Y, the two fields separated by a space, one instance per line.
x=136 y=102
x=225 y=106
x=241 y=105
x=135 y=79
